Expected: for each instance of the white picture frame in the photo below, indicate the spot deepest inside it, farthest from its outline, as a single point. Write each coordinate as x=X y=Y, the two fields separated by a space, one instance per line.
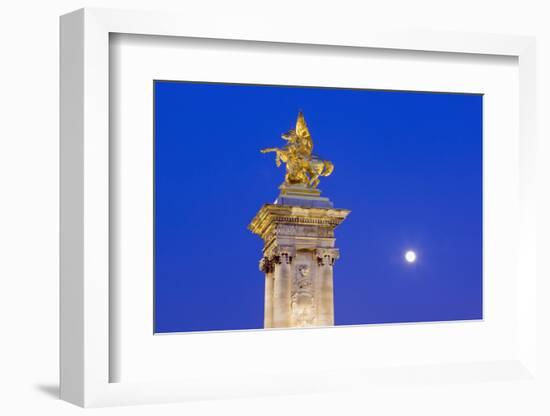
x=86 y=355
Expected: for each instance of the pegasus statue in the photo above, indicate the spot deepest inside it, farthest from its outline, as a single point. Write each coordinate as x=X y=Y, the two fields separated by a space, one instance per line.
x=302 y=166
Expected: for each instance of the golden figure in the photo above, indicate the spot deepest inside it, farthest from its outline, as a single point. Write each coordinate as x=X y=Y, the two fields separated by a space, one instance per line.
x=302 y=166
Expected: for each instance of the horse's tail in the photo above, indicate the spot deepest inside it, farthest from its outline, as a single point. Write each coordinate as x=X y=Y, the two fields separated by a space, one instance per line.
x=328 y=167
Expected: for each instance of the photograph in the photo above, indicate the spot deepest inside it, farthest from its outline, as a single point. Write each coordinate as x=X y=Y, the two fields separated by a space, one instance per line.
x=301 y=206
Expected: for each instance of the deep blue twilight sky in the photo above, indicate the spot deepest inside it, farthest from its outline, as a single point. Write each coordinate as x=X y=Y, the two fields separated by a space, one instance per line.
x=408 y=165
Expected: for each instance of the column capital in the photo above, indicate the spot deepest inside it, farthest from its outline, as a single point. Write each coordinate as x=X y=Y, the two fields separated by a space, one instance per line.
x=285 y=253
x=327 y=256
x=276 y=255
x=267 y=265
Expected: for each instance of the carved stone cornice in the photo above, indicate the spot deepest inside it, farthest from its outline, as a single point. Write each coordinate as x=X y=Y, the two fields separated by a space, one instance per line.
x=274 y=214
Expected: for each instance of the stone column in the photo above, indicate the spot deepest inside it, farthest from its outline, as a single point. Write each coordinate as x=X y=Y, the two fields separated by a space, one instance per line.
x=325 y=305
x=281 y=289
x=267 y=266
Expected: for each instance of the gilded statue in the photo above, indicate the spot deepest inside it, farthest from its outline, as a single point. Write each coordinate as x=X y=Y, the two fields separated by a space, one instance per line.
x=302 y=166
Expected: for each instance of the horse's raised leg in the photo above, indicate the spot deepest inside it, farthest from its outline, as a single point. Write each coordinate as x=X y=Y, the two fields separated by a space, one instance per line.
x=314 y=181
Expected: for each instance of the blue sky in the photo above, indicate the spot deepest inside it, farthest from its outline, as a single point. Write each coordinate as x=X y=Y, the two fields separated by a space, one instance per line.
x=407 y=164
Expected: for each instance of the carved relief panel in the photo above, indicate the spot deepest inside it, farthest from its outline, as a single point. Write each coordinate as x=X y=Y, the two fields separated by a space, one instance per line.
x=303 y=303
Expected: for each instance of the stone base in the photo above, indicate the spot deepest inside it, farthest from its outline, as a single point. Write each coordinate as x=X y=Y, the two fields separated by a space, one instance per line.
x=302 y=196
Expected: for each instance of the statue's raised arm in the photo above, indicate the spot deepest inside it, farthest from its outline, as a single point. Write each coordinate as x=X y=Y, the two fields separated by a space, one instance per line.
x=280 y=154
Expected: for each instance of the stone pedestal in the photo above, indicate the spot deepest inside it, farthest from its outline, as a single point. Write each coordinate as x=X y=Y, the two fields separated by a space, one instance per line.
x=298 y=258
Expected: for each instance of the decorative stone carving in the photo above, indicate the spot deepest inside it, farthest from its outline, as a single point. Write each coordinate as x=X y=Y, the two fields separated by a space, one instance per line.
x=303 y=298
x=305 y=230
x=267 y=265
x=327 y=257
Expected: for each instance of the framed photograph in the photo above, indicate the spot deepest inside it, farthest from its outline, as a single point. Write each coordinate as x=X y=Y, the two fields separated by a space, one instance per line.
x=285 y=211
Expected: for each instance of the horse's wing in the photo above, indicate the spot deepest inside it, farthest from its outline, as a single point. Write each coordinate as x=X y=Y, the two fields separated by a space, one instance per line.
x=301 y=126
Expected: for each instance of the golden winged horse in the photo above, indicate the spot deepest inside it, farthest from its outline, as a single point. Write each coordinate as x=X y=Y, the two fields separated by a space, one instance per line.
x=302 y=166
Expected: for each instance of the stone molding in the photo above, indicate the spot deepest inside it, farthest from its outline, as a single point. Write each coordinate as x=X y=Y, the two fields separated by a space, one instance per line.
x=271 y=215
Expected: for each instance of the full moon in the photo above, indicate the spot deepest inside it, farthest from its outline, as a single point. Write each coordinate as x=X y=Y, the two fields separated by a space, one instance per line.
x=410 y=256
